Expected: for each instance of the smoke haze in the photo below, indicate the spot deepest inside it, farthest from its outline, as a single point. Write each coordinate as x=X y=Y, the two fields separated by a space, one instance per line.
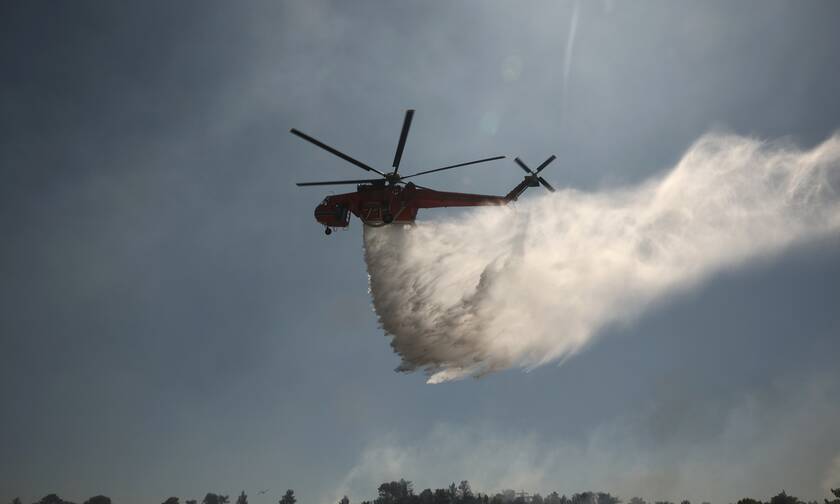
x=790 y=424
x=533 y=283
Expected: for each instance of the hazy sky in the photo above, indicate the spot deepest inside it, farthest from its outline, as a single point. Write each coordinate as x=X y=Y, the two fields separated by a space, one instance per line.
x=174 y=322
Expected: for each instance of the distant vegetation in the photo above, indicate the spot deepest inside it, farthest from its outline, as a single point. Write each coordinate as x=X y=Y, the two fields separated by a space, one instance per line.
x=402 y=492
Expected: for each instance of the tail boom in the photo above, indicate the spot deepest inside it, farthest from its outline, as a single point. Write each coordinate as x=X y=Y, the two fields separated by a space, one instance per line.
x=517 y=191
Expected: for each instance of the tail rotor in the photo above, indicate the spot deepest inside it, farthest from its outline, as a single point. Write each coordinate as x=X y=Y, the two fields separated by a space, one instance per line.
x=534 y=175
x=532 y=179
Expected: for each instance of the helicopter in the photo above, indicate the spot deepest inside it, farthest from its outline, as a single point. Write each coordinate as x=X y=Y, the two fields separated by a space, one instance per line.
x=389 y=199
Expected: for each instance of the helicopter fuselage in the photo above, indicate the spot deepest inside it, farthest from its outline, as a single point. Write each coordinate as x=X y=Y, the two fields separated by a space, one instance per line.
x=380 y=204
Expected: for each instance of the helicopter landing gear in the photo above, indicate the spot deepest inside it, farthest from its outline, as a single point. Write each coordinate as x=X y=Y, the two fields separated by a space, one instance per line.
x=327 y=231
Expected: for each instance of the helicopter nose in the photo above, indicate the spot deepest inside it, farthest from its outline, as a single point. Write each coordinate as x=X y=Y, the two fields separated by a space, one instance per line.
x=324 y=213
x=332 y=214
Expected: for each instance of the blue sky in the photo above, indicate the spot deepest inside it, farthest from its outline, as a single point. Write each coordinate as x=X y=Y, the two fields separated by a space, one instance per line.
x=174 y=322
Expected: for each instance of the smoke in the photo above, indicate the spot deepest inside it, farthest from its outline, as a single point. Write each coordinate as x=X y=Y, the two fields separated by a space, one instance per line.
x=525 y=285
x=785 y=432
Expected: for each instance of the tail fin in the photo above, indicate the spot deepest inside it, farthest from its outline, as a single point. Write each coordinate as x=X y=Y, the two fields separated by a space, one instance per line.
x=532 y=179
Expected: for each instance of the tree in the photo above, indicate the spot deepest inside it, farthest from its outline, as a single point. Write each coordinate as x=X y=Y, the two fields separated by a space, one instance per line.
x=606 y=498
x=464 y=492
x=584 y=498
x=191 y=501
x=441 y=496
x=836 y=492
x=344 y=500
x=426 y=497
x=53 y=499
x=101 y=499
x=686 y=501
x=288 y=497
x=171 y=500
x=748 y=501
x=784 y=498
x=242 y=499
x=395 y=492
x=537 y=499
x=637 y=500
x=212 y=498
x=16 y=500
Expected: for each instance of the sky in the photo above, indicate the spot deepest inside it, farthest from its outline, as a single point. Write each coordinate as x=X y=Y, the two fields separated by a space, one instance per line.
x=174 y=322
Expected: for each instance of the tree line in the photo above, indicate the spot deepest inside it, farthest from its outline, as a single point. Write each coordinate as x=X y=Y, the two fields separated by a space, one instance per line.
x=402 y=492
x=210 y=498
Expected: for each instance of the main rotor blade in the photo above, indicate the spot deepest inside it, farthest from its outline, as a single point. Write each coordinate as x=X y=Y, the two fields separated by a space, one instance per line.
x=415 y=185
x=338 y=182
x=335 y=151
x=453 y=166
x=546 y=184
x=523 y=166
x=545 y=163
x=409 y=114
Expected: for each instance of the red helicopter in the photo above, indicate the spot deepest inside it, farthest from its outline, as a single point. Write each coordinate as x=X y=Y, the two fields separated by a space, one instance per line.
x=381 y=201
